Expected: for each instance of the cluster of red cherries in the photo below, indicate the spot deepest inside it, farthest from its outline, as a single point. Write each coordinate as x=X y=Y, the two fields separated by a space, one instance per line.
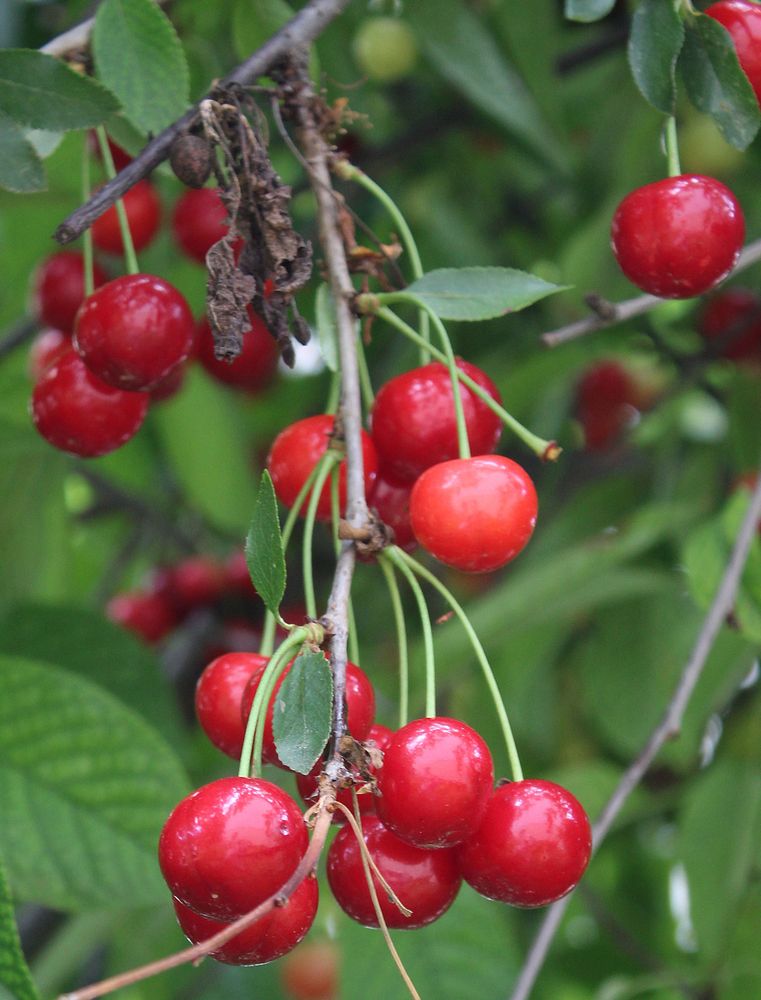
x=474 y=514
x=104 y=358
x=430 y=816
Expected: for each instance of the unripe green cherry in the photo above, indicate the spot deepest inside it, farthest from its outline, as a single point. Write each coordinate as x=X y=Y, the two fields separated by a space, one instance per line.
x=385 y=49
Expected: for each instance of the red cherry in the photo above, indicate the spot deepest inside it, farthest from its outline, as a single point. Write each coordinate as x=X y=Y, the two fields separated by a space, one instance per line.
x=231 y=845
x=134 y=331
x=195 y=582
x=742 y=19
x=255 y=366
x=59 y=288
x=732 y=318
x=143 y=612
x=199 y=220
x=219 y=694
x=678 y=237
x=311 y=971
x=237 y=576
x=46 y=348
x=270 y=937
x=169 y=385
x=474 y=514
x=391 y=500
x=606 y=398
x=295 y=452
x=307 y=783
x=78 y=413
x=436 y=779
x=532 y=846
x=118 y=155
x=426 y=882
x=143 y=208
x=413 y=421
x=360 y=707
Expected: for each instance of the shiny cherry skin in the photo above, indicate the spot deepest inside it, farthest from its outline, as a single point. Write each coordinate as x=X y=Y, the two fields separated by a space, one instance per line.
x=47 y=347
x=391 y=500
x=231 y=845
x=436 y=779
x=474 y=514
x=532 y=847
x=256 y=365
x=59 y=288
x=295 y=452
x=134 y=331
x=413 y=419
x=426 y=882
x=270 y=937
x=307 y=783
x=742 y=19
x=199 y=220
x=145 y=613
x=360 y=707
x=143 y=208
x=606 y=398
x=731 y=323
x=78 y=413
x=678 y=237
x=219 y=694
x=311 y=972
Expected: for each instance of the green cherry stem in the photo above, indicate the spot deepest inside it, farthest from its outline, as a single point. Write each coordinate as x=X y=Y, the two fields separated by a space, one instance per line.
x=546 y=450
x=328 y=460
x=334 y=394
x=400 y=557
x=672 y=148
x=425 y=620
x=401 y=635
x=365 y=385
x=254 y=736
x=348 y=171
x=87 y=239
x=108 y=162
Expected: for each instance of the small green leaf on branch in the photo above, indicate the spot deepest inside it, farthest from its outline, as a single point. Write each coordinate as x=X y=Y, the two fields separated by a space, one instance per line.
x=655 y=41
x=303 y=711
x=21 y=169
x=40 y=91
x=14 y=972
x=479 y=293
x=264 y=547
x=588 y=10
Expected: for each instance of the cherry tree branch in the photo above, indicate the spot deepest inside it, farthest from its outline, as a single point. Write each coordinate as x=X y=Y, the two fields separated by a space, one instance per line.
x=75 y=38
x=303 y=28
x=610 y=313
x=667 y=729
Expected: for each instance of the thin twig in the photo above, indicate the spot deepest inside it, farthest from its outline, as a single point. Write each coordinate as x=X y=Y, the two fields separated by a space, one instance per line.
x=619 y=312
x=303 y=28
x=18 y=335
x=668 y=728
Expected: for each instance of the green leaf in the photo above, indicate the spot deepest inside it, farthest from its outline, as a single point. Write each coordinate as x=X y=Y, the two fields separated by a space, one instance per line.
x=302 y=713
x=588 y=10
x=655 y=41
x=478 y=293
x=255 y=21
x=83 y=641
x=264 y=547
x=42 y=92
x=85 y=788
x=466 y=54
x=21 y=169
x=715 y=82
x=14 y=972
x=718 y=842
x=325 y=316
x=139 y=56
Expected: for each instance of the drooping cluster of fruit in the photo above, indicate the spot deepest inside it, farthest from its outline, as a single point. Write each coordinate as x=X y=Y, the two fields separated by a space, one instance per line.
x=475 y=514
x=430 y=814
x=104 y=358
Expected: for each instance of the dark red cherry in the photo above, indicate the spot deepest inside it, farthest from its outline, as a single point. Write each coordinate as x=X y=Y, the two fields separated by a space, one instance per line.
x=270 y=937
x=413 y=420
x=143 y=208
x=311 y=972
x=391 y=500
x=436 y=779
x=532 y=846
x=145 y=613
x=199 y=220
x=219 y=694
x=255 y=366
x=606 y=401
x=59 y=288
x=731 y=323
x=742 y=19
x=134 y=331
x=237 y=576
x=195 y=582
x=231 y=845
x=78 y=413
x=426 y=882
x=678 y=237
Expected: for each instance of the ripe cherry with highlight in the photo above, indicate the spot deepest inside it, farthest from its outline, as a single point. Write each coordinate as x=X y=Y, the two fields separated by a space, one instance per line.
x=219 y=695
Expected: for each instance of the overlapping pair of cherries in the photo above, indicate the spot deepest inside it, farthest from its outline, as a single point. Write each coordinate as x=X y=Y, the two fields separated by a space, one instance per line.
x=430 y=814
